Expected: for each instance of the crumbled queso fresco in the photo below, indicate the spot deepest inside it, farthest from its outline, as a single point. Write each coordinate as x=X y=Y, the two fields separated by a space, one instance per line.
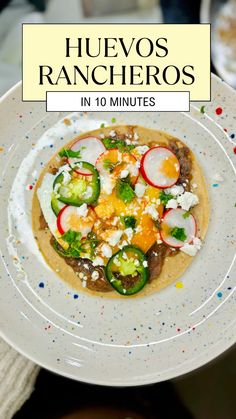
x=191 y=249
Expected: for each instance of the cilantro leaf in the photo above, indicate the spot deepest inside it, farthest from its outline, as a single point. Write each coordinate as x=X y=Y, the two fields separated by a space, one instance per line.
x=111 y=143
x=124 y=191
x=165 y=197
x=186 y=214
x=70 y=153
x=178 y=233
x=129 y=221
x=71 y=236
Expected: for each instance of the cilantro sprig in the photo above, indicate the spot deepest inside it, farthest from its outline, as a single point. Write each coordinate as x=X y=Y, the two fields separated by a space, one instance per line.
x=76 y=244
x=124 y=190
x=70 y=153
x=111 y=143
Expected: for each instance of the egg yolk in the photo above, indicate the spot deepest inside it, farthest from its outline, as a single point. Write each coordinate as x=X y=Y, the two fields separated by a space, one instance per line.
x=76 y=222
x=170 y=167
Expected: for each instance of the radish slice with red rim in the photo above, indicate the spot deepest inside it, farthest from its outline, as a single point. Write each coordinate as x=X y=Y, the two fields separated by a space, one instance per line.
x=160 y=167
x=178 y=224
x=90 y=149
x=80 y=219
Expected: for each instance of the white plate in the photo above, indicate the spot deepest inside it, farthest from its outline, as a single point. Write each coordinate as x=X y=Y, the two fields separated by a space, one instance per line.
x=122 y=342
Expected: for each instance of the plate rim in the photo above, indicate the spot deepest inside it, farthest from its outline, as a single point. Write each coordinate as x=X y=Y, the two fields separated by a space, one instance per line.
x=222 y=345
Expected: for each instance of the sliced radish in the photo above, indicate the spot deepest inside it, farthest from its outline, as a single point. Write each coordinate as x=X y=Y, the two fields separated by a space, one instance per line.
x=118 y=164
x=80 y=219
x=160 y=167
x=177 y=218
x=90 y=149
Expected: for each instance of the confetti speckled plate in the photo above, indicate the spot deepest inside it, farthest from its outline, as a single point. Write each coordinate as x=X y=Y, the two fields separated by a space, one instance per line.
x=126 y=342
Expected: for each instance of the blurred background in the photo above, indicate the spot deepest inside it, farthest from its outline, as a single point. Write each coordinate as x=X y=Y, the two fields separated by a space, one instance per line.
x=220 y=13
x=208 y=393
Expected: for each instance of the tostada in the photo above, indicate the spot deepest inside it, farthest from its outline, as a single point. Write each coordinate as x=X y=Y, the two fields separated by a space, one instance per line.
x=121 y=211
